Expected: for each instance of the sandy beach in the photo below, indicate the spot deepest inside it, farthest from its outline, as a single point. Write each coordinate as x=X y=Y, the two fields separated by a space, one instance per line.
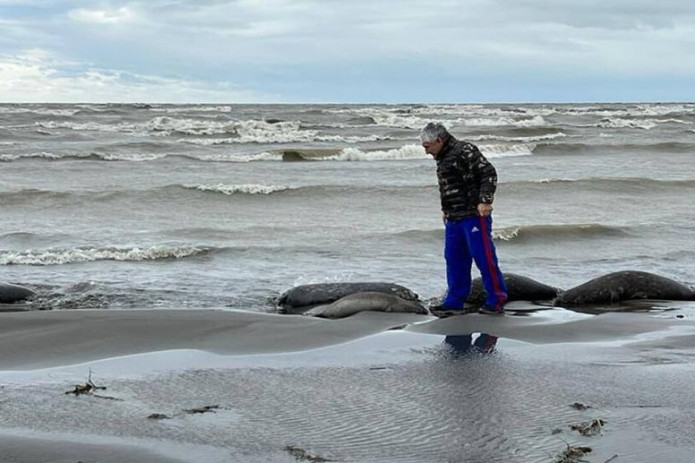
x=228 y=385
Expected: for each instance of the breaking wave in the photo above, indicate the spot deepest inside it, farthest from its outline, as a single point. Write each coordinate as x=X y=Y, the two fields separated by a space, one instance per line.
x=532 y=233
x=249 y=189
x=570 y=148
x=559 y=232
x=646 y=124
x=90 y=254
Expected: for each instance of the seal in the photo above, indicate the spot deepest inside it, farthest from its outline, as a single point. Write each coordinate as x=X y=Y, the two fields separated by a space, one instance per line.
x=366 y=301
x=302 y=298
x=10 y=293
x=519 y=288
x=625 y=285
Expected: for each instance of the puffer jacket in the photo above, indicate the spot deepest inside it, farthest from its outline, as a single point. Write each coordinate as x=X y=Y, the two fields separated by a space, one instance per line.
x=466 y=178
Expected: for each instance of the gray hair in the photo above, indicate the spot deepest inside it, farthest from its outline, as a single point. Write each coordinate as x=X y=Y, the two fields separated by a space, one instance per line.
x=433 y=131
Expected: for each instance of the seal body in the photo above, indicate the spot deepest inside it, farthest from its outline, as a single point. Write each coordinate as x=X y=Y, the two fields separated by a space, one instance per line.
x=10 y=293
x=624 y=286
x=366 y=301
x=302 y=298
x=519 y=288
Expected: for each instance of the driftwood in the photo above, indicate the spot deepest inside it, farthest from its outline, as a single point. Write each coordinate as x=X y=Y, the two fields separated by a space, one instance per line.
x=188 y=411
x=573 y=454
x=303 y=455
x=205 y=409
x=590 y=428
x=89 y=387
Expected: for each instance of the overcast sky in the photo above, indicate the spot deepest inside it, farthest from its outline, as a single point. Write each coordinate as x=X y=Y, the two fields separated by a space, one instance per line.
x=347 y=51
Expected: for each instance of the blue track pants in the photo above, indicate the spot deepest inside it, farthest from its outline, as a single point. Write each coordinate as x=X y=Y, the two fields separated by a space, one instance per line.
x=467 y=241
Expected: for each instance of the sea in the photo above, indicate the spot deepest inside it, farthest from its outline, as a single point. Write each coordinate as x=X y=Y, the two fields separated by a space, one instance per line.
x=141 y=206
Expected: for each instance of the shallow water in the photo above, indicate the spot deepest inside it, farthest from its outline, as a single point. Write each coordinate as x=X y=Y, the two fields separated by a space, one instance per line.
x=386 y=398
x=137 y=206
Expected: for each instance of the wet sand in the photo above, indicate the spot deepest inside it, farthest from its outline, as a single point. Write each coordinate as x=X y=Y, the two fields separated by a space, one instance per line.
x=370 y=388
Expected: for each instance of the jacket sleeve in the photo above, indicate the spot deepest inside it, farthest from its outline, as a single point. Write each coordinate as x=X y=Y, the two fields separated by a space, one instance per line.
x=484 y=172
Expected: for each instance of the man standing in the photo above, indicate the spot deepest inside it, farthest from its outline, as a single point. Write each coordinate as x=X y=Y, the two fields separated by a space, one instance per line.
x=467 y=184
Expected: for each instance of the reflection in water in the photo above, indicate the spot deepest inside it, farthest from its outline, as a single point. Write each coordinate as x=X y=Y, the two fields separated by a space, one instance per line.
x=464 y=343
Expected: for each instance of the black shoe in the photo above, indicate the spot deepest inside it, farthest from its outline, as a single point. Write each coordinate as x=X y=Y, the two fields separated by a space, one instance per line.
x=490 y=310
x=443 y=311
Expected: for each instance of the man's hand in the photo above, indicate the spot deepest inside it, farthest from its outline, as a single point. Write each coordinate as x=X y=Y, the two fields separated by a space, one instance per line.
x=484 y=209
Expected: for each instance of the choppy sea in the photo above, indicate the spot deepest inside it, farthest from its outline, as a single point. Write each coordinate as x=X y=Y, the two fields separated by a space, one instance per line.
x=202 y=206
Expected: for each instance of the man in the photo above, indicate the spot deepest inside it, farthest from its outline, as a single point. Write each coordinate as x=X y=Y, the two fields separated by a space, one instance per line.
x=467 y=184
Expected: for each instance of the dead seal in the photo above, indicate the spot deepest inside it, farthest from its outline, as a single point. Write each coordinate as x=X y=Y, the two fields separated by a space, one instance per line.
x=366 y=301
x=10 y=293
x=302 y=298
x=624 y=286
x=519 y=288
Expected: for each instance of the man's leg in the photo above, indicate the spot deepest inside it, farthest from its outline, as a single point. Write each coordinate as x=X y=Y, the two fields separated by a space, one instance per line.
x=458 y=264
x=479 y=233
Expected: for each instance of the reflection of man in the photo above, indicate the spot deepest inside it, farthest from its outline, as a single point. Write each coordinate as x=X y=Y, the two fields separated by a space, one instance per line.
x=483 y=344
x=467 y=184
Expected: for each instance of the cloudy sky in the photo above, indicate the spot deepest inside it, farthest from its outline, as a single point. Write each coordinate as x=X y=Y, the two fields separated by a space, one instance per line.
x=362 y=51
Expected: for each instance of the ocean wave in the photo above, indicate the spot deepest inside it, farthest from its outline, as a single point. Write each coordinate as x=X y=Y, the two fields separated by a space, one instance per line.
x=353 y=154
x=634 y=110
x=407 y=152
x=522 y=139
x=19 y=237
x=18 y=156
x=540 y=233
x=638 y=186
x=233 y=157
x=559 y=232
x=89 y=254
x=646 y=124
x=570 y=148
x=30 y=194
x=195 y=108
x=38 y=110
x=385 y=117
x=92 y=156
x=396 y=154
x=247 y=131
x=505 y=150
x=249 y=189
x=534 y=121
x=299 y=136
x=464 y=116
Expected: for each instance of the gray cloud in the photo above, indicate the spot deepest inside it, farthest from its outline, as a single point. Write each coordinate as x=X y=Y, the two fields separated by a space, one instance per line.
x=252 y=44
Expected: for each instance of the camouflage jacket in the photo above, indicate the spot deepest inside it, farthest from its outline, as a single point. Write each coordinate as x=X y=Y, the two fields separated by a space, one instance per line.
x=466 y=178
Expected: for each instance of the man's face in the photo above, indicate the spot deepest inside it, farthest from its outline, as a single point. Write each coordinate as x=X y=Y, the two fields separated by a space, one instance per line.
x=433 y=147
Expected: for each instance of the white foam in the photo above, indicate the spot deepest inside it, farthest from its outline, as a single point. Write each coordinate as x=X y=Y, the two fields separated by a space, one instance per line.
x=506 y=234
x=536 y=138
x=248 y=131
x=187 y=109
x=233 y=157
x=69 y=256
x=104 y=156
x=39 y=111
x=252 y=189
x=299 y=136
x=404 y=152
x=646 y=124
x=504 y=151
x=43 y=154
x=535 y=121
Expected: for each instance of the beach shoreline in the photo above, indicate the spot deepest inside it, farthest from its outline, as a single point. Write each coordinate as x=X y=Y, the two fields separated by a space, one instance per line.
x=366 y=388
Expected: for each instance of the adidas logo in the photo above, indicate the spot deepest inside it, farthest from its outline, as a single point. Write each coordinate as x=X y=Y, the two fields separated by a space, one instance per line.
x=475 y=229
